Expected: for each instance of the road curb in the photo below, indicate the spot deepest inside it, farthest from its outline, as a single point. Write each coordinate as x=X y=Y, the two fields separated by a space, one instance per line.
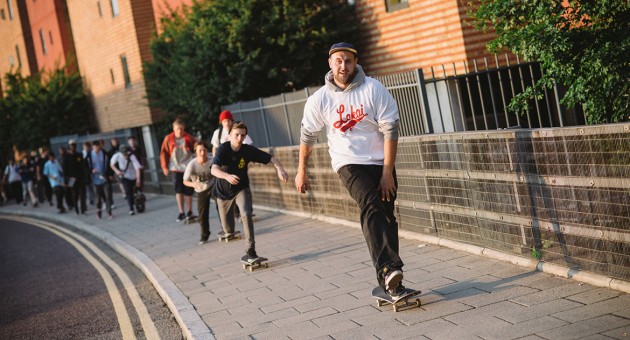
x=541 y=266
x=193 y=327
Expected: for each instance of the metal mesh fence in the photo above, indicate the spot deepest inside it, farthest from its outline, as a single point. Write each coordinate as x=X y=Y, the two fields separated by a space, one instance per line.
x=559 y=195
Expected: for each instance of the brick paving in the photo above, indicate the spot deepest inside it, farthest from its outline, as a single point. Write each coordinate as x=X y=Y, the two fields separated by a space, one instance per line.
x=320 y=277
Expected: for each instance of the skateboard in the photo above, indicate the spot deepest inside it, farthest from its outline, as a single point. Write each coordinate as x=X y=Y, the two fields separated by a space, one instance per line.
x=191 y=219
x=403 y=300
x=257 y=263
x=227 y=238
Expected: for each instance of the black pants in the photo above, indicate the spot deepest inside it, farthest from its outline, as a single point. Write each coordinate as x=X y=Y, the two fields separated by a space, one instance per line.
x=378 y=220
x=203 y=211
x=129 y=185
x=78 y=197
x=59 y=190
x=15 y=191
x=101 y=197
x=44 y=190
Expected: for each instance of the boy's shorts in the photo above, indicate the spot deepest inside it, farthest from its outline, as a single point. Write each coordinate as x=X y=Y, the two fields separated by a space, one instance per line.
x=178 y=184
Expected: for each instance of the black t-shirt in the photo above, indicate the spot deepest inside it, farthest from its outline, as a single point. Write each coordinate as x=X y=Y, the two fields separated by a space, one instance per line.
x=235 y=163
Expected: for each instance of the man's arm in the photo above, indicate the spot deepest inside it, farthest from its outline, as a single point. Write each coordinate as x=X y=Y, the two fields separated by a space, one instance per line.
x=164 y=155
x=218 y=173
x=388 y=187
x=301 y=179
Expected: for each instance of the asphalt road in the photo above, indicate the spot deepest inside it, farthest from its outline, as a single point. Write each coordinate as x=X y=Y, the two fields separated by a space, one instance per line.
x=54 y=285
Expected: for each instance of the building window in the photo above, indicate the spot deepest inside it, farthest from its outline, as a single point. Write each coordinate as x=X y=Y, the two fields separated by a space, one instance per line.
x=10 y=8
x=50 y=36
x=2 y=14
x=394 y=5
x=17 y=53
x=114 y=8
x=43 y=39
x=111 y=73
x=100 y=9
x=11 y=61
x=123 y=61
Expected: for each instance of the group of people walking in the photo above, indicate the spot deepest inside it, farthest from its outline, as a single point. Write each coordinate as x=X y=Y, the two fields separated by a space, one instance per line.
x=76 y=177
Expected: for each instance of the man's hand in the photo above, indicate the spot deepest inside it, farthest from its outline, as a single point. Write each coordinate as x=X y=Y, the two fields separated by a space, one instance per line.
x=388 y=187
x=301 y=182
x=232 y=179
x=283 y=175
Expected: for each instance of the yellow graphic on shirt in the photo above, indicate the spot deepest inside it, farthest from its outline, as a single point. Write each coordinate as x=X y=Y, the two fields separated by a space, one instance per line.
x=241 y=163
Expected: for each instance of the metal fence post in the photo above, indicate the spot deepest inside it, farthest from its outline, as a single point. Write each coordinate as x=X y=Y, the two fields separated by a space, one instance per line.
x=286 y=115
x=264 y=120
x=424 y=102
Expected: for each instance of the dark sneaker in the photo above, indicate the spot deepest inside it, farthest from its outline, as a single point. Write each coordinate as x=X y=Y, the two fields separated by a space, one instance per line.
x=203 y=241
x=180 y=217
x=250 y=256
x=392 y=278
x=98 y=214
x=190 y=214
x=397 y=291
x=131 y=212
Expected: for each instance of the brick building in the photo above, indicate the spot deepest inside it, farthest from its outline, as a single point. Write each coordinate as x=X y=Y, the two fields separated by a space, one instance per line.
x=16 y=43
x=51 y=34
x=400 y=35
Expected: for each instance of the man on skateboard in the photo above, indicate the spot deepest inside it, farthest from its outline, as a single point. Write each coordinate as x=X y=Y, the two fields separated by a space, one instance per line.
x=361 y=120
x=229 y=166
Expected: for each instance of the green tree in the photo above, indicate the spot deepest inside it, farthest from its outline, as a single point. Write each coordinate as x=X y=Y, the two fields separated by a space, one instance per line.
x=42 y=106
x=583 y=45
x=223 y=51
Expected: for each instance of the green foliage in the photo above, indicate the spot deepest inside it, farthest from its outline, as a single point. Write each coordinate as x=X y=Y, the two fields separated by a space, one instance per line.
x=583 y=45
x=224 y=51
x=42 y=106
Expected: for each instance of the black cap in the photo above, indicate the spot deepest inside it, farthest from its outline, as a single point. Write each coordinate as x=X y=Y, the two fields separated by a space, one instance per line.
x=342 y=46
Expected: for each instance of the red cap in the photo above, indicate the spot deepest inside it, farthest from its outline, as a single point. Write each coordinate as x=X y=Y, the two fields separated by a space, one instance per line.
x=225 y=115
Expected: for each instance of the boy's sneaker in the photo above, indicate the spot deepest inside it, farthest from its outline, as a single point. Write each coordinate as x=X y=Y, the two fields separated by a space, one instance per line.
x=131 y=212
x=98 y=214
x=397 y=291
x=203 y=241
x=392 y=278
x=110 y=216
x=250 y=256
x=180 y=217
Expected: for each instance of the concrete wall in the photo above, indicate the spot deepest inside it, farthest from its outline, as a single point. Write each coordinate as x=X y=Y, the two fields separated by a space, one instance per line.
x=560 y=195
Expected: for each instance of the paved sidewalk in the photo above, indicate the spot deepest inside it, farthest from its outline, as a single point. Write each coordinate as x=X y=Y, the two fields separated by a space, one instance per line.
x=320 y=277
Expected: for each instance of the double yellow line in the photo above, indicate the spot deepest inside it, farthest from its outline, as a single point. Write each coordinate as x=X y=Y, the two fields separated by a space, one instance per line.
x=119 y=306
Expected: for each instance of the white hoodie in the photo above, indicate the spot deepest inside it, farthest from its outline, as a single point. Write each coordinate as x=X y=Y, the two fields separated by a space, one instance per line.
x=357 y=120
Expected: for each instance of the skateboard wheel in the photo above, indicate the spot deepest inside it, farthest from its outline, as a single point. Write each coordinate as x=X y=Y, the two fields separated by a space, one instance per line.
x=244 y=266
x=379 y=303
x=395 y=308
x=266 y=265
x=251 y=269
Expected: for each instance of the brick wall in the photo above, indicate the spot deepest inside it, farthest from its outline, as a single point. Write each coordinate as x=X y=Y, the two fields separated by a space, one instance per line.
x=424 y=34
x=49 y=17
x=11 y=35
x=100 y=41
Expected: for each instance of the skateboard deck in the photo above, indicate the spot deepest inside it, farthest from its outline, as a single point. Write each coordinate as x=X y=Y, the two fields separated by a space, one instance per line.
x=223 y=237
x=257 y=263
x=191 y=219
x=408 y=299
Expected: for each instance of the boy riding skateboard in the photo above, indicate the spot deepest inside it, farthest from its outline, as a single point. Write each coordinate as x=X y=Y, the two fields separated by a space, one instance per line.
x=229 y=166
